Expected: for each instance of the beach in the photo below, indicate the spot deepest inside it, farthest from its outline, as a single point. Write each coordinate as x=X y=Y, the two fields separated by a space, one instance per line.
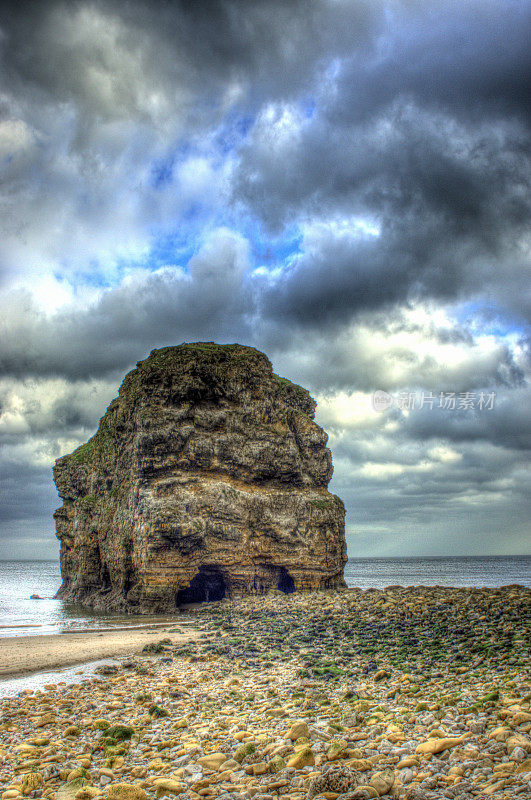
x=411 y=693
x=23 y=654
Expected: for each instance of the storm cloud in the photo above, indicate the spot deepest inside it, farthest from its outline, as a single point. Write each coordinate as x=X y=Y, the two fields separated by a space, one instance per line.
x=342 y=184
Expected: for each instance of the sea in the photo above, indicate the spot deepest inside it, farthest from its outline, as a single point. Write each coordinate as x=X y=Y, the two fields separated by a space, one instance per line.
x=21 y=616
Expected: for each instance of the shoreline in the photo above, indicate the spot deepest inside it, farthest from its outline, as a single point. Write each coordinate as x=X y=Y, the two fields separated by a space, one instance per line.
x=40 y=652
x=139 y=626
x=24 y=655
x=412 y=694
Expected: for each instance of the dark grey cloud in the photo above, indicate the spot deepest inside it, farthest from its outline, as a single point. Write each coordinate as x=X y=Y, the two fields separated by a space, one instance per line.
x=427 y=138
x=390 y=139
x=472 y=496
x=24 y=492
x=508 y=424
x=269 y=48
x=218 y=298
x=470 y=58
x=451 y=206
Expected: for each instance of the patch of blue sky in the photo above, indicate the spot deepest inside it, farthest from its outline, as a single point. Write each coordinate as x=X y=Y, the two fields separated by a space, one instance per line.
x=192 y=213
x=272 y=251
x=308 y=107
x=226 y=140
x=162 y=172
x=162 y=168
x=276 y=252
x=178 y=246
x=171 y=248
x=95 y=276
x=489 y=319
x=243 y=125
x=233 y=133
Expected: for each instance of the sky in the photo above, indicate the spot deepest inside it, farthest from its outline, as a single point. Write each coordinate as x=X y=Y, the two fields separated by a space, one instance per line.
x=343 y=184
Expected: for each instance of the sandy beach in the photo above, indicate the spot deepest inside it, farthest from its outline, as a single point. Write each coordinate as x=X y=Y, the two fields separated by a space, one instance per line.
x=24 y=654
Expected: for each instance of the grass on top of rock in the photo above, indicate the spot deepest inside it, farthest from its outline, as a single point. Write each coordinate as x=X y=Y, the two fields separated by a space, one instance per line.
x=168 y=356
x=179 y=358
x=99 y=447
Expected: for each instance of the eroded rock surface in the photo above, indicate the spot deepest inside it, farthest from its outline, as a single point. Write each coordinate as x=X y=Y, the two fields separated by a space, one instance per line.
x=207 y=478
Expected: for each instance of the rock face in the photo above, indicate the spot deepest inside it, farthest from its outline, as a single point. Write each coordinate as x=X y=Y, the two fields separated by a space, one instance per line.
x=207 y=478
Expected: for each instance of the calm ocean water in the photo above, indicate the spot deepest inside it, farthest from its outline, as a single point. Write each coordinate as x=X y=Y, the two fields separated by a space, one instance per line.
x=20 y=616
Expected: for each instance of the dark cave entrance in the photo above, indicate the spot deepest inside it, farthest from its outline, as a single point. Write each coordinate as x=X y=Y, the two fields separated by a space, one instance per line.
x=105 y=579
x=286 y=583
x=208 y=585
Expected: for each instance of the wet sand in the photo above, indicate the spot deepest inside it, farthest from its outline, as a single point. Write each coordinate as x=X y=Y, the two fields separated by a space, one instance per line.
x=24 y=654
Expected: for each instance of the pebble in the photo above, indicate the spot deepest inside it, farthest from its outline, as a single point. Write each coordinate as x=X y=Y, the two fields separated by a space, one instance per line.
x=412 y=694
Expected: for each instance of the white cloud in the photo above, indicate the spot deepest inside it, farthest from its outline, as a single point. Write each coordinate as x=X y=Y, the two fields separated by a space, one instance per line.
x=55 y=407
x=348 y=410
x=445 y=454
x=17 y=140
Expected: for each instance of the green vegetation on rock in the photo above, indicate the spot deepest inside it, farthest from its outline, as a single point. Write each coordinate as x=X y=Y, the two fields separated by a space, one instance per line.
x=119 y=732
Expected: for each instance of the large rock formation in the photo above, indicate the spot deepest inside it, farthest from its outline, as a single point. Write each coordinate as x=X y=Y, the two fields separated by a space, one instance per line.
x=206 y=478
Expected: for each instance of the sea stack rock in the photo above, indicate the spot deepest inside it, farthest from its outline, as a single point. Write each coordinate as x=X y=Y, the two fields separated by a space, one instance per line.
x=207 y=478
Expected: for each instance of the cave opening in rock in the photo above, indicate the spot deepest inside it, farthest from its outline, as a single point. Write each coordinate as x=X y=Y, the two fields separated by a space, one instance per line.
x=105 y=579
x=207 y=585
x=286 y=583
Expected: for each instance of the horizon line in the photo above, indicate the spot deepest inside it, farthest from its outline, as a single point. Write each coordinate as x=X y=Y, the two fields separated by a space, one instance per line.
x=350 y=558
